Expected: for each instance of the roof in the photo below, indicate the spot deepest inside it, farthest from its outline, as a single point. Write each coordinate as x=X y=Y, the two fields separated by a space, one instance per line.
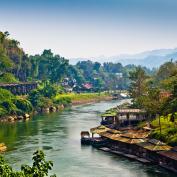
x=120 y=138
x=121 y=111
x=109 y=114
x=99 y=129
x=156 y=142
x=170 y=154
x=154 y=147
x=87 y=85
x=126 y=135
x=136 y=135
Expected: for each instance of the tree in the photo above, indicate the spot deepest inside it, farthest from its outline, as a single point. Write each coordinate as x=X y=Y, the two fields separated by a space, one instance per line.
x=165 y=71
x=5 y=62
x=138 y=82
x=40 y=167
x=48 y=67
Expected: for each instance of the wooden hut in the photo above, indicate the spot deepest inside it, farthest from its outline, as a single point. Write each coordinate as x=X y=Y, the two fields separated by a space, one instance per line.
x=108 y=118
x=128 y=117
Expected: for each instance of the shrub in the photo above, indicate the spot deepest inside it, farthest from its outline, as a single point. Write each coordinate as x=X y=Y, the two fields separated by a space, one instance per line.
x=23 y=104
x=8 y=78
x=10 y=107
x=3 y=111
x=173 y=140
x=5 y=95
x=40 y=167
x=44 y=102
x=48 y=91
x=34 y=97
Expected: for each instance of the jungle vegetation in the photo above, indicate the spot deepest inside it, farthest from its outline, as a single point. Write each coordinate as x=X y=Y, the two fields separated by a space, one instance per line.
x=40 y=167
x=157 y=94
x=49 y=70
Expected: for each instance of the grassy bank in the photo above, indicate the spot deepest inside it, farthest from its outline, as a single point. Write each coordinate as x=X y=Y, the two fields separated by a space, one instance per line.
x=165 y=130
x=44 y=99
x=83 y=97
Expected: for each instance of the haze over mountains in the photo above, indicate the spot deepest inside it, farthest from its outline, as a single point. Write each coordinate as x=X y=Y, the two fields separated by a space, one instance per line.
x=149 y=59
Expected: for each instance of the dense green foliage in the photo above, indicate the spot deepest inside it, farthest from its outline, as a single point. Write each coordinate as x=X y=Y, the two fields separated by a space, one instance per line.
x=40 y=167
x=157 y=94
x=16 y=66
x=11 y=104
x=48 y=67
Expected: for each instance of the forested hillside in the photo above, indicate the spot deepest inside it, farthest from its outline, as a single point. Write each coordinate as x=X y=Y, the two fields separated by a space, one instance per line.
x=16 y=65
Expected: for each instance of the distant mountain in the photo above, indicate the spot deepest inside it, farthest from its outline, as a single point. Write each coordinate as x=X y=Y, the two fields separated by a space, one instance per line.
x=149 y=59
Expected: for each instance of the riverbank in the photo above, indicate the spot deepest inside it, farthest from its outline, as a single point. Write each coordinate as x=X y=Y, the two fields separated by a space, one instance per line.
x=61 y=101
x=92 y=99
x=84 y=98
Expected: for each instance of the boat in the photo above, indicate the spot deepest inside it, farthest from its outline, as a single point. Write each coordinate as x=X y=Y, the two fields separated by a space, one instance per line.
x=85 y=138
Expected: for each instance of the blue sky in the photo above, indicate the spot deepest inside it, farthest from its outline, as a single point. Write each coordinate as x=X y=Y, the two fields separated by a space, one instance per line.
x=91 y=28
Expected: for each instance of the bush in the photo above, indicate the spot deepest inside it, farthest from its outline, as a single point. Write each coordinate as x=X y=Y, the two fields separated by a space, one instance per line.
x=44 y=102
x=10 y=107
x=35 y=97
x=8 y=78
x=23 y=105
x=48 y=91
x=10 y=104
x=40 y=167
x=3 y=111
x=173 y=140
x=5 y=95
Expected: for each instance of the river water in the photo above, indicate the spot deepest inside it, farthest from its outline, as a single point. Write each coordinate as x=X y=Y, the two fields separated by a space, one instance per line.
x=58 y=134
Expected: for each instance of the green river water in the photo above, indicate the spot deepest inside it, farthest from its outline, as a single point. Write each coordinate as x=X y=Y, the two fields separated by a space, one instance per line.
x=58 y=134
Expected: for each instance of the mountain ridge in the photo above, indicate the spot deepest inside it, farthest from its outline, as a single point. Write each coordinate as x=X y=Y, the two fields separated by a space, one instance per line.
x=150 y=59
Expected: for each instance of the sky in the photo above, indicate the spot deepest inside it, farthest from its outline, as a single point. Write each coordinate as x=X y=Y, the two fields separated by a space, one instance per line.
x=90 y=28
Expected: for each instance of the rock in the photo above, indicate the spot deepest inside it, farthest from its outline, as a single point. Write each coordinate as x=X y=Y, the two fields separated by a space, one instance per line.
x=45 y=110
x=39 y=110
x=53 y=109
x=61 y=107
x=2 y=147
x=15 y=118
x=36 y=112
x=26 y=116
x=20 y=117
x=10 y=119
x=27 y=119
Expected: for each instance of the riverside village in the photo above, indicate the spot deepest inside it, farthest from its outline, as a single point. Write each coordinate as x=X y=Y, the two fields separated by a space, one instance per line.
x=88 y=88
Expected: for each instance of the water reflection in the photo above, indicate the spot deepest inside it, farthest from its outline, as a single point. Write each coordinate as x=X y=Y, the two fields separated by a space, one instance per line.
x=59 y=135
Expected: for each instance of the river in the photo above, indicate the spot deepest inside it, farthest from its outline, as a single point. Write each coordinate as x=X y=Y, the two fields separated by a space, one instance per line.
x=58 y=134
